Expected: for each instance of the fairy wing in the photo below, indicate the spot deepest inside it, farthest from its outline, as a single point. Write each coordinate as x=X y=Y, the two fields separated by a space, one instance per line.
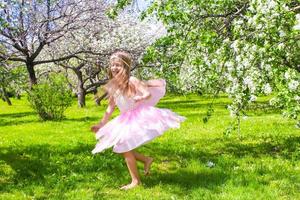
x=157 y=89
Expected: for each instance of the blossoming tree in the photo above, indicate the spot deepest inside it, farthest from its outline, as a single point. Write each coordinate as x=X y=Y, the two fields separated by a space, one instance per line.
x=27 y=27
x=97 y=40
x=242 y=47
x=74 y=34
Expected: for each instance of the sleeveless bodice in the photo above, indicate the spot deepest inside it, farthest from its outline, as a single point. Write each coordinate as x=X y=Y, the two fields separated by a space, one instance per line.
x=157 y=91
x=124 y=103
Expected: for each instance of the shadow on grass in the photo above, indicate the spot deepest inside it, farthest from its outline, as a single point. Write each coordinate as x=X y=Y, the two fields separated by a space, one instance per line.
x=17 y=122
x=17 y=115
x=187 y=105
x=188 y=180
x=284 y=147
x=261 y=108
x=15 y=119
x=91 y=119
x=257 y=108
x=287 y=148
x=49 y=165
x=43 y=164
x=226 y=157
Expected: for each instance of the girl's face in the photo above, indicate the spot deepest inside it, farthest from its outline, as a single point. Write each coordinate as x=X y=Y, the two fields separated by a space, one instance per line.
x=116 y=66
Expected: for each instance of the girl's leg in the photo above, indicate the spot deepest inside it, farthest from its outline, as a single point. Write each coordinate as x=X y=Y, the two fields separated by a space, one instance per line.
x=131 y=164
x=146 y=160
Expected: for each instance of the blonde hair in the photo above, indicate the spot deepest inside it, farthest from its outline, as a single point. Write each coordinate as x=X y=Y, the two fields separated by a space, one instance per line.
x=121 y=81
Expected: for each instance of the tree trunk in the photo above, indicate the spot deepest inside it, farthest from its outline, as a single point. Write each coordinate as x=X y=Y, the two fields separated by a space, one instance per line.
x=18 y=95
x=99 y=99
x=96 y=98
x=6 y=97
x=81 y=97
x=80 y=89
x=32 y=77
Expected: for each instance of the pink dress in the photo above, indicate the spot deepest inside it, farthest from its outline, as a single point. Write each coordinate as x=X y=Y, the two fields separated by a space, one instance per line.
x=138 y=122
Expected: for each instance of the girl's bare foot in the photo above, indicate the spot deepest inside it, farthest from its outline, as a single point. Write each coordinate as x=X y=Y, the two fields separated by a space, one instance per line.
x=147 y=166
x=130 y=186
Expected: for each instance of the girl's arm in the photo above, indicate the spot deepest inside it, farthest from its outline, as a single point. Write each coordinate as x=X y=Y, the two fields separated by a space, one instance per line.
x=142 y=87
x=110 y=109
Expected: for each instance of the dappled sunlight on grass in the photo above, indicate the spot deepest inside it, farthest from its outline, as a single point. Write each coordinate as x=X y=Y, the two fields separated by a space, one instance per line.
x=53 y=160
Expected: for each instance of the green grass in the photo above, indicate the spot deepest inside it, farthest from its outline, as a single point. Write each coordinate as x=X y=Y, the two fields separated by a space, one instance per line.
x=53 y=160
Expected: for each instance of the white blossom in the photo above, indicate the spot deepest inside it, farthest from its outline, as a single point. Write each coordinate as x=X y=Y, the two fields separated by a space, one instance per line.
x=234 y=45
x=249 y=83
x=293 y=85
x=245 y=117
x=210 y=164
x=297 y=26
x=281 y=46
x=271 y=4
x=282 y=33
x=297 y=98
x=267 y=89
x=287 y=75
x=252 y=98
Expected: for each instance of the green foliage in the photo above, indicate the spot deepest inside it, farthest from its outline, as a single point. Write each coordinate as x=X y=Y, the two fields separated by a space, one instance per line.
x=120 y=4
x=12 y=79
x=50 y=98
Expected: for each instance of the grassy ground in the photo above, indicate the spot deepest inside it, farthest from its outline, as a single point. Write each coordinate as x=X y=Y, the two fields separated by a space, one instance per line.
x=53 y=160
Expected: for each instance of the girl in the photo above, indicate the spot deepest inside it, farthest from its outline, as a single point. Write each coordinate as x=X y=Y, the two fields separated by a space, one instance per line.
x=139 y=121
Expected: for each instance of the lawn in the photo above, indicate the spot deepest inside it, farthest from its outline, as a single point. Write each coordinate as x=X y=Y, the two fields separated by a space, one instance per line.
x=53 y=160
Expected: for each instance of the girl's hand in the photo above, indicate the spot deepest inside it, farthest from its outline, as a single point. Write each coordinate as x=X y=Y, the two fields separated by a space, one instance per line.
x=95 y=128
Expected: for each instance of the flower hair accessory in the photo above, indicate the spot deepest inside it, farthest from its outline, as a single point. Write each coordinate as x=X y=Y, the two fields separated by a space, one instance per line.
x=114 y=56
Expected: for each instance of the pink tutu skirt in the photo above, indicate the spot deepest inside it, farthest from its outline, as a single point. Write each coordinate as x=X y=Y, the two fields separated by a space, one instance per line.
x=137 y=124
